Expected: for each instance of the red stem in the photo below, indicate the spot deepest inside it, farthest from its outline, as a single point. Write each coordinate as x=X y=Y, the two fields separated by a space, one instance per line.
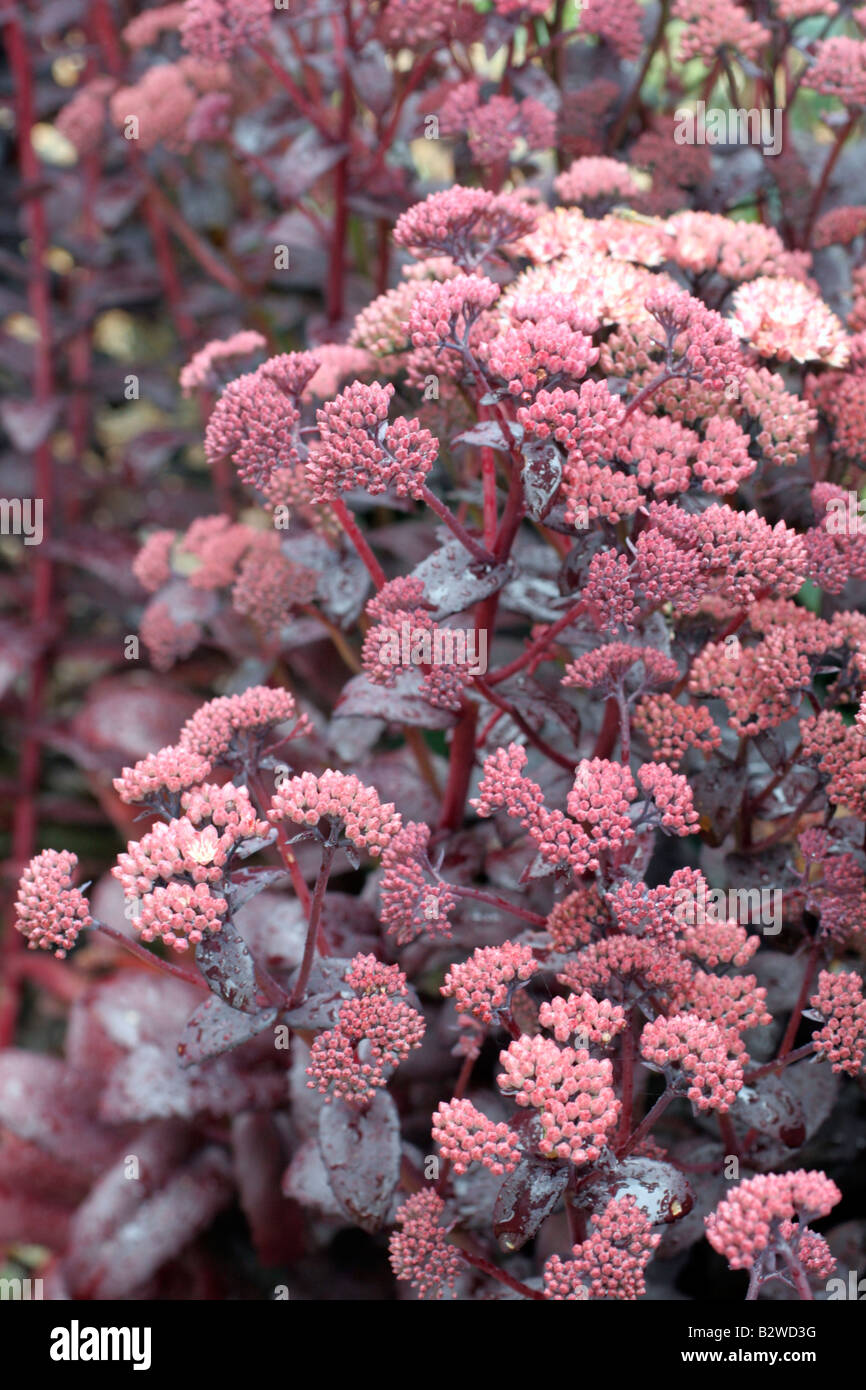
x=356 y=536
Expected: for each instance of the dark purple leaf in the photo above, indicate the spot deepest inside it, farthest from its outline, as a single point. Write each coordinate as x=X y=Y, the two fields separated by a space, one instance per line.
x=29 y=423
x=361 y=1151
x=453 y=581
x=542 y=475
x=159 y=1229
x=526 y=1199
x=399 y=704
x=487 y=434
x=247 y=883
x=326 y=991
x=44 y=1101
x=228 y=967
x=659 y=1188
x=215 y=1028
x=771 y=1109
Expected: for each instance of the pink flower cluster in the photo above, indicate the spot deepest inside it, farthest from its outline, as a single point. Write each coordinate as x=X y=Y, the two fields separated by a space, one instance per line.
x=842 y=1039
x=467 y=1136
x=482 y=985
x=374 y=1032
x=49 y=912
x=610 y=1263
x=359 y=449
x=340 y=798
x=710 y=1058
x=746 y=1223
x=419 y=1251
x=233 y=727
x=572 y=1092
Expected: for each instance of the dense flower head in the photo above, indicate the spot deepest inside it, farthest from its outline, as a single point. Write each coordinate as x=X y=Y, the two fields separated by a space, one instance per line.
x=839 y=70
x=724 y=25
x=715 y=943
x=610 y=593
x=840 y=1002
x=704 y=241
x=616 y=22
x=269 y=585
x=839 y=226
x=671 y=728
x=543 y=347
x=743 y=554
x=160 y=104
x=572 y=922
x=419 y=1251
x=196 y=846
x=640 y=961
x=700 y=343
x=733 y=1001
x=593 y=178
x=82 y=120
x=211 y=550
x=414 y=901
x=610 y=1263
x=443 y=313
x=231 y=727
x=49 y=912
x=162 y=775
x=467 y=1136
x=152 y=564
x=359 y=449
x=339 y=797
x=606 y=667
x=180 y=914
x=783 y=422
x=785 y=319
x=256 y=420
x=709 y=1057
x=467 y=224
x=373 y=1034
x=202 y=370
x=482 y=985
x=572 y=1092
x=745 y=1223
x=582 y=1016
x=219 y=29
x=672 y=797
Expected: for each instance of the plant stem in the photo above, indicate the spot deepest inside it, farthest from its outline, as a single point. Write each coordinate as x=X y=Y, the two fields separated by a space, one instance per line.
x=476 y=549
x=808 y=976
x=646 y=1124
x=141 y=953
x=487 y=1266
x=480 y=896
x=356 y=536
x=329 y=849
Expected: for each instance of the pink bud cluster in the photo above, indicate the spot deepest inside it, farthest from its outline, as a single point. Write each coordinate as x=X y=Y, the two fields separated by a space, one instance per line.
x=572 y=1092
x=232 y=726
x=419 y=1251
x=359 y=449
x=482 y=985
x=49 y=912
x=342 y=798
x=414 y=901
x=709 y=1057
x=467 y=1136
x=374 y=1032
x=842 y=1039
x=610 y=1263
x=744 y=1224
